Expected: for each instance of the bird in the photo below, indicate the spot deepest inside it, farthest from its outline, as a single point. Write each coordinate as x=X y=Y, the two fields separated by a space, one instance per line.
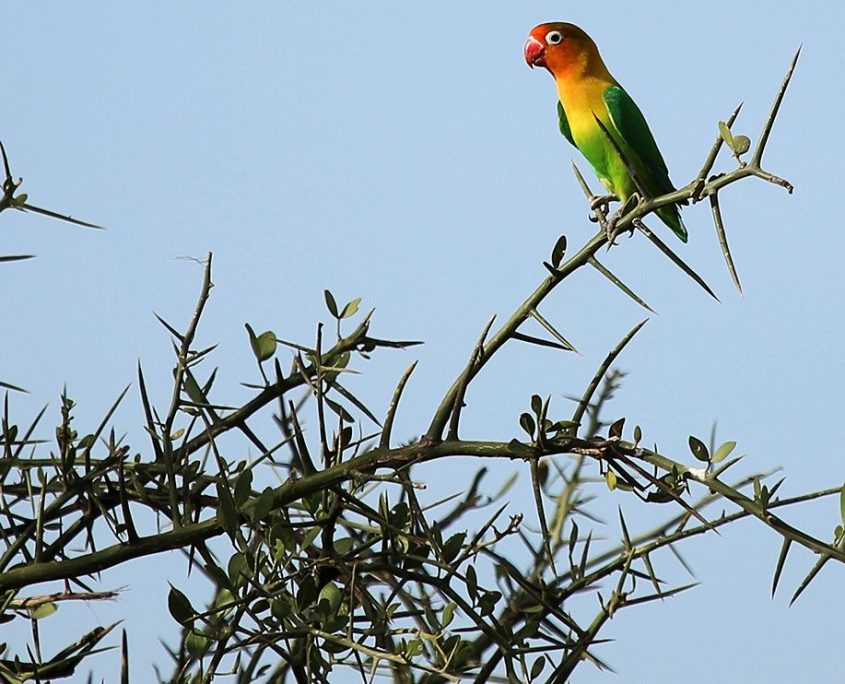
x=593 y=107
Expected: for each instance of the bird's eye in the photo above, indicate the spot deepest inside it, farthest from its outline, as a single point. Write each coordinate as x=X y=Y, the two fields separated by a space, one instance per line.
x=554 y=37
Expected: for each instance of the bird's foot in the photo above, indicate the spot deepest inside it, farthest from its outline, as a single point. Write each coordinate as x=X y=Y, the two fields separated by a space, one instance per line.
x=610 y=228
x=613 y=219
x=602 y=202
x=600 y=207
x=613 y=232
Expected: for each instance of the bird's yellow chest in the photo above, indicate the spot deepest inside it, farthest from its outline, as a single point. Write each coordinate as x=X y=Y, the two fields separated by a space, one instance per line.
x=583 y=101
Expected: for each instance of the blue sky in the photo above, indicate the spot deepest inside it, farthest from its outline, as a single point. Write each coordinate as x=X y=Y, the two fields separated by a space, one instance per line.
x=406 y=155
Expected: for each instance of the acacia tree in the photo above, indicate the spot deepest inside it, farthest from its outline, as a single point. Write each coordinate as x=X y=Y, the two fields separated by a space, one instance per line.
x=343 y=565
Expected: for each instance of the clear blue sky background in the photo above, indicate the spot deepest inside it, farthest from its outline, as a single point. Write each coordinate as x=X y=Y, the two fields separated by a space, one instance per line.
x=405 y=154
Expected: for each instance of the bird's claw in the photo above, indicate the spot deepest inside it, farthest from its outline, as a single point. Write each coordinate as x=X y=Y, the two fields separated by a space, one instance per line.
x=610 y=229
x=602 y=202
x=600 y=207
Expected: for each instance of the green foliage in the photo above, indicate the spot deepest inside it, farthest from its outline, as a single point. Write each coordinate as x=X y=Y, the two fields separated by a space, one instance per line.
x=699 y=449
x=738 y=144
x=263 y=345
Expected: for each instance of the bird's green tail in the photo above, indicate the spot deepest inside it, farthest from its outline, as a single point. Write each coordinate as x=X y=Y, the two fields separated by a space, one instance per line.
x=671 y=216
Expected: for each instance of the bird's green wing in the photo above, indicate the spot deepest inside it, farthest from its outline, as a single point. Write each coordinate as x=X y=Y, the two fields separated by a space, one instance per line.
x=629 y=121
x=648 y=163
x=563 y=122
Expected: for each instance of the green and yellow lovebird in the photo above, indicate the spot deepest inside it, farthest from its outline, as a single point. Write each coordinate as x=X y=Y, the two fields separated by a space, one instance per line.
x=589 y=94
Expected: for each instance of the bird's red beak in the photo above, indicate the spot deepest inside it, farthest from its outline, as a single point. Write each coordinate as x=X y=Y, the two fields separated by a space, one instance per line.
x=535 y=52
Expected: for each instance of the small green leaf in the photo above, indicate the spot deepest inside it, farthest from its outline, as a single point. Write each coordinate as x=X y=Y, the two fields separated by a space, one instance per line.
x=448 y=615
x=192 y=389
x=536 y=404
x=226 y=513
x=339 y=410
x=307 y=593
x=742 y=143
x=723 y=452
x=611 y=480
x=263 y=504
x=487 y=603
x=699 y=449
x=243 y=487
x=343 y=545
x=624 y=486
x=224 y=598
x=238 y=569
x=726 y=134
x=196 y=644
x=264 y=346
x=217 y=575
x=472 y=581
x=527 y=423
x=329 y=599
x=331 y=304
x=179 y=606
x=616 y=428
x=414 y=648
x=542 y=472
x=559 y=251
x=452 y=644
x=283 y=533
x=659 y=496
x=281 y=608
x=519 y=449
x=638 y=434
x=278 y=550
x=453 y=546
x=309 y=537
x=351 y=308
x=537 y=667
x=399 y=515
x=43 y=611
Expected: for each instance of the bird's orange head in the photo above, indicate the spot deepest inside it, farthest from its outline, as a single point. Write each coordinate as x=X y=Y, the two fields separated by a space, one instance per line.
x=563 y=49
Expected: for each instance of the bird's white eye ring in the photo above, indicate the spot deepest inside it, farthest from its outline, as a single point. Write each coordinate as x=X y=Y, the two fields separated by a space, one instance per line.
x=554 y=37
